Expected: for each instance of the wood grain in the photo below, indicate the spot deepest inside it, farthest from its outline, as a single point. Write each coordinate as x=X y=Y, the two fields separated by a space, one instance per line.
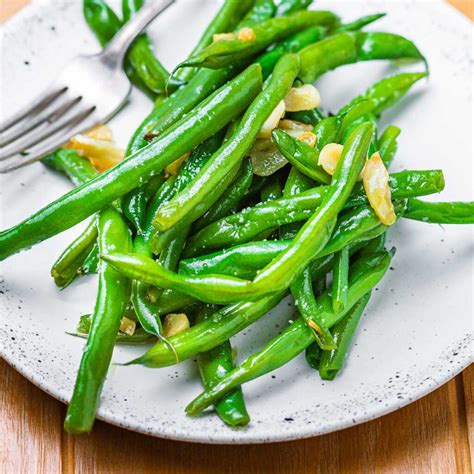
x=434 y=434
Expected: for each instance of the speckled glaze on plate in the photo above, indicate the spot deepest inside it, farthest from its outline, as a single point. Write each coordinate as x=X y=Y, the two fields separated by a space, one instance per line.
x=415 y=334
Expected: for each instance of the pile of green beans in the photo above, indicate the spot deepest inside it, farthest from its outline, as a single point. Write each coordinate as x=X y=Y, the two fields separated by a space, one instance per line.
x=214 y=243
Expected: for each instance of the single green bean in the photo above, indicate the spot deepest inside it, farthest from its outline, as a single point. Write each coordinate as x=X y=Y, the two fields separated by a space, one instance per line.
x=332 y=361
x=77 y=168
x=388 y=144
x=285 y=7
x=262 y=10
x=224 y=53
x=302 y=290
x=309 y=117
x=112 y=300
x=348 y=48
x=360 y=23
x=386 y=92
x=440 y=212
x=340 y=282
x=296 y=183
x=213 y=365
x=272 y=189
x=69 y=263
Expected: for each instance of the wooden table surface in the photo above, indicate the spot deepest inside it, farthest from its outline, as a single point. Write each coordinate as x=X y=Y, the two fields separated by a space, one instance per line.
x=434 y=434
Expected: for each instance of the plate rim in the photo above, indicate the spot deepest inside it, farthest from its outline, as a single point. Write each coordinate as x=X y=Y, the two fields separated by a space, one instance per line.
x=133 y=425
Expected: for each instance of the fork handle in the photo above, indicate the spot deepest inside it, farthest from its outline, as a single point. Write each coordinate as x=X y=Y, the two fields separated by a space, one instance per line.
x=118 y=46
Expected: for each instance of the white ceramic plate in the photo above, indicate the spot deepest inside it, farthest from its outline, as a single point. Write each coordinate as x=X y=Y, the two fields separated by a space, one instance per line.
x=415 y=335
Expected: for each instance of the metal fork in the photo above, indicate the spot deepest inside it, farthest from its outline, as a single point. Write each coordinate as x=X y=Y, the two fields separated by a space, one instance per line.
x=89 y=91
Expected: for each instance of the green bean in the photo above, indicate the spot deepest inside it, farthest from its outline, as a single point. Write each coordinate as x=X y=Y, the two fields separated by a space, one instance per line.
x=213 y=365
x=225 y=20
x=332 y=361
x=386 y=92
x=262 y=10
x=147 y=310
x=212 y=115
x=208 y=334
x=326 y=131
x=440 y=212
x=293 y=44
x=348 y=48
x=112 y=300
x=340 y=281
x=230 y=199
x=309 y=117
x=78 y=258
x=285 y=7
x=134 y=204
x=203 y=83
x=141 y=56
x=91 y=262
x=101 y=19
x=104 y=23
x=78 y=169
x=251 y=222
x=365 y=274
x=224 y=53
x=234 y=150
x=222 y=325
x=302 y=156
x=388 y=144
x=302 y=290
x=282 y=271
x=313 y=355
x=360 y=22
x=296 y=183
x=271 y=191
x=70 y=262
x=162 y=239
x=246 y=260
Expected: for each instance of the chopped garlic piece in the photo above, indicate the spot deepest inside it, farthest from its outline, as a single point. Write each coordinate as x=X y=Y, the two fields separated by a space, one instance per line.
x=294 y=128
x=305 y=97
x=127 y=326
x=175 y=323
x=308 y=137
x=223 y=37
x=103 y=154
x=173 y=168
x=100 y=132
x=246 y=34
x=329 y=157
x=377 y=187
x=272 y=121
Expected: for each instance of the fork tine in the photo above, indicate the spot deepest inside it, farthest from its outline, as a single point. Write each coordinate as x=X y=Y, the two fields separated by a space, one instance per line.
x=40 y=102
x=56 y=108
x=42 y=133
x=44 y=148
